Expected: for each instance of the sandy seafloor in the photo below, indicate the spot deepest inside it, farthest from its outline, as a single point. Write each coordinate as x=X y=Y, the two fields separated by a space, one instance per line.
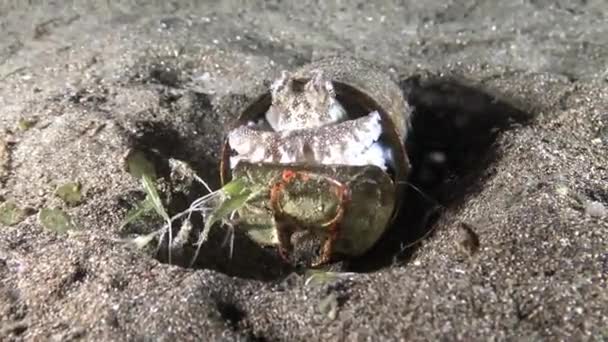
x=528 y=169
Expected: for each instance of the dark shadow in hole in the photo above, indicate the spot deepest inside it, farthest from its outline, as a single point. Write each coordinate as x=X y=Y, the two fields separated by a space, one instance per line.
x=162 y=141
x=248 y=260
x=450 y=146
x=230 y=313
x=234 y=315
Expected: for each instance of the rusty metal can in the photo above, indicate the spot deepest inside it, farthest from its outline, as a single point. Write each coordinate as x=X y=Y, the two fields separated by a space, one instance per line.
x=370 y=196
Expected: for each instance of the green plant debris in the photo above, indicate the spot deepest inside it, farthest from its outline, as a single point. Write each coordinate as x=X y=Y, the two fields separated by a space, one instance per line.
x=143 y=169
x=142 y=241
x=153 y=196
x=216 y=206
x=25 y=124
x=328 y=306
x=10 y=213
x=157 y=204
x=141 y=208
x=138 y=165
x=320 y=277
x=233 y=196
x=55 y=220
x=70 y=193
x=237 y=195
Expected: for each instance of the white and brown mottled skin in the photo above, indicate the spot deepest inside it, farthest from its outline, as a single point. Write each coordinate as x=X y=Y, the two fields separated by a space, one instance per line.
x=352 y=142
x=310 y=125
x=313 y=106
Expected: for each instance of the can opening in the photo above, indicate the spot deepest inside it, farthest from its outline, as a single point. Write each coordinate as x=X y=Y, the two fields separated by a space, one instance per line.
x=357 y=105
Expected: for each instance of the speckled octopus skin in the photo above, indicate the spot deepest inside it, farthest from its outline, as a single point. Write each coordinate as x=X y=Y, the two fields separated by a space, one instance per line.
x=310 y=124
x=314 y=105
x=352 y=142
x=367 y=78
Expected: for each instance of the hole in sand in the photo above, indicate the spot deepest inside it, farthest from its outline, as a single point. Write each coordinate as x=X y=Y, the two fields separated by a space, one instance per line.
x=162 y=142
x=450 y=145
x=230 y=313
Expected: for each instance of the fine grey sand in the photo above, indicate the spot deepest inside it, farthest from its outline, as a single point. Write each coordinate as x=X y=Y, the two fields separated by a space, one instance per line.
x=510 y=135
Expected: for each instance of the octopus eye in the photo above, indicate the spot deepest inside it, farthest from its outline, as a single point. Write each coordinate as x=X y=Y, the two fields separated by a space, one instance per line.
x=282 y=84
x=329 y=87
x=316 y=83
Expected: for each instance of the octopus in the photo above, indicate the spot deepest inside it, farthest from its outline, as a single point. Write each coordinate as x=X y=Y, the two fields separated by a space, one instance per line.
x=309 y=125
